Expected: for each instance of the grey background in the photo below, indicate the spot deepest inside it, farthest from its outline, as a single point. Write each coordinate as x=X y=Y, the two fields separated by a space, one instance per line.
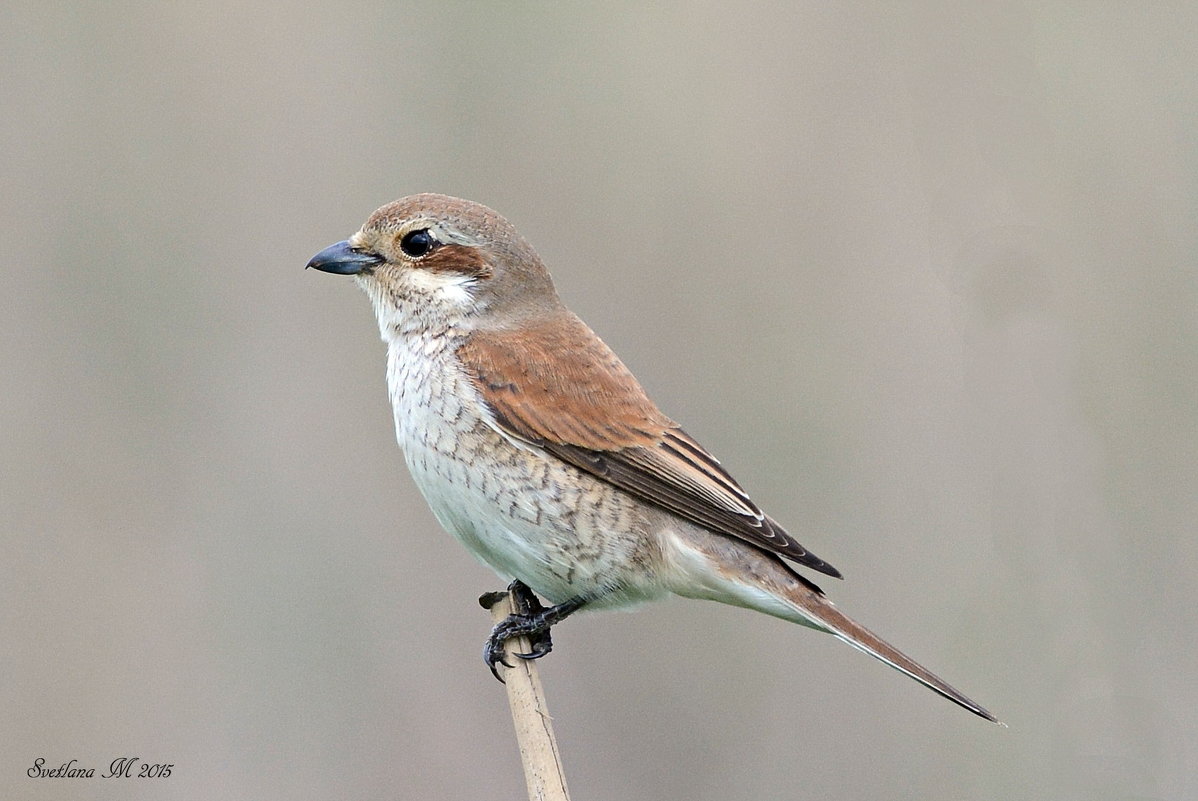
x=923 y=275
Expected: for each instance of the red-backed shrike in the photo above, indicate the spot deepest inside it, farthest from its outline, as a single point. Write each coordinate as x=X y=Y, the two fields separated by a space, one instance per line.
x=537 y=448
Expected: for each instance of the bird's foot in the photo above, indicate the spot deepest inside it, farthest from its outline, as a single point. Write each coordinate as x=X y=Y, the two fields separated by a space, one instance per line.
x=530 y=618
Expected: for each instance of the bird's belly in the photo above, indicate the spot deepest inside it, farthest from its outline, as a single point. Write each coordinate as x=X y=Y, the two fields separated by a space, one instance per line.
x=528 y=516
x=521 y=511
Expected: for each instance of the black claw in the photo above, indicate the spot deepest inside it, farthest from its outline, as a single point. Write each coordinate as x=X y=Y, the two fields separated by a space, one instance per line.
x=536 y=653
x=513 y=625
x=493 y=655
x=530 y=618
x=541 y=644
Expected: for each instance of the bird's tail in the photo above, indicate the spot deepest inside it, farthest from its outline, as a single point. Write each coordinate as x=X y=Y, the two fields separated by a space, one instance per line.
x=708 y=565
x=817 y=608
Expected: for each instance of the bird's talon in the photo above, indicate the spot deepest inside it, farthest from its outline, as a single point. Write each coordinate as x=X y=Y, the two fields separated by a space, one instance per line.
x=541 y=644
x=533 y=655
x=494 y=658
x=533 y=624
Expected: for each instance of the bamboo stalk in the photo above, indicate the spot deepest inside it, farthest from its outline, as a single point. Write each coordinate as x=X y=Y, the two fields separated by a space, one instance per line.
x=534 y=728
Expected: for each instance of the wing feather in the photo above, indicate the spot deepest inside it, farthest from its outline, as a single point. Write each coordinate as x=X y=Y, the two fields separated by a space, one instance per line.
x=557 y=386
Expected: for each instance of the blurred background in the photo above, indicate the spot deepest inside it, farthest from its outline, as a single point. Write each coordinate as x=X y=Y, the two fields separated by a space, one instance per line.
x=924 y=276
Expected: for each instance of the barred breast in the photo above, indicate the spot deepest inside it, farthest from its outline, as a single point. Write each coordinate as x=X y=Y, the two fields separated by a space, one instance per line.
x=521 y=511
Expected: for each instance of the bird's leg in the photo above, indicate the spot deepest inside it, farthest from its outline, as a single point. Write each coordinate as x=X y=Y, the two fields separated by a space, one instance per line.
x=529 y=618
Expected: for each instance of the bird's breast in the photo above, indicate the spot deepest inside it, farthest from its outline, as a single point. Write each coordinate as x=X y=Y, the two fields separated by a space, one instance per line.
x=523 y=512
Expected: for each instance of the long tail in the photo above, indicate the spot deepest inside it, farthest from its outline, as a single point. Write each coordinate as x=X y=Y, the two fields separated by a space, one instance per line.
x=714 y=567
x=820 y=609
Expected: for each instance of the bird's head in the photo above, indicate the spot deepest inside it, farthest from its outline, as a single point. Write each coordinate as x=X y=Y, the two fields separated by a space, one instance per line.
x=431 y=262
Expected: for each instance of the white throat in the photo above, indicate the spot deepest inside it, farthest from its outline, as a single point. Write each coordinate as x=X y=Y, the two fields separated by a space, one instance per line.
x=422 y=304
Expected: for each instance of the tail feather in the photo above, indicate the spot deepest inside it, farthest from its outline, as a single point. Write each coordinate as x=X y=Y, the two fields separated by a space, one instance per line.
x=717 y=568
x=861 y=638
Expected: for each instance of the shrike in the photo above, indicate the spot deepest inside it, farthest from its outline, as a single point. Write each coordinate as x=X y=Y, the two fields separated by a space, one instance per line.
x=537 y=448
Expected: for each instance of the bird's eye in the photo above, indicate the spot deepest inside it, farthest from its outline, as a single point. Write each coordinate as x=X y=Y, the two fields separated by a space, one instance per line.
x=417 y=243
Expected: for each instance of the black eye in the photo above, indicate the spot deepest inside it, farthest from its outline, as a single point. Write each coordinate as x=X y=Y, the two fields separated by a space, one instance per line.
x=417 y=243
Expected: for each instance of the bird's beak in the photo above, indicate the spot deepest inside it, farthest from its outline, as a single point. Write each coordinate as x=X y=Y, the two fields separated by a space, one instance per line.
x=344 y=260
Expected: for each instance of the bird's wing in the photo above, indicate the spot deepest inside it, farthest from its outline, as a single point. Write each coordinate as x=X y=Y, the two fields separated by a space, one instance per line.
x=557 y=386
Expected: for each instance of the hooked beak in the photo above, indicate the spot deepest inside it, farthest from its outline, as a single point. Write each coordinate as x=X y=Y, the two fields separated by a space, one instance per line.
x=344 y=260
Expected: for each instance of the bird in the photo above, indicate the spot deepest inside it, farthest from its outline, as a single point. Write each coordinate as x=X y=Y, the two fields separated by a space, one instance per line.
x=536 y=447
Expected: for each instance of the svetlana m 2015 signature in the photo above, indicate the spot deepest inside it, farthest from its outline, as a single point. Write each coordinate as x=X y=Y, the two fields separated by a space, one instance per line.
x=119 y=768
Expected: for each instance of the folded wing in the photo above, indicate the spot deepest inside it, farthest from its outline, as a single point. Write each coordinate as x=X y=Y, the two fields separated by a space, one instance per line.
x=558 y=387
